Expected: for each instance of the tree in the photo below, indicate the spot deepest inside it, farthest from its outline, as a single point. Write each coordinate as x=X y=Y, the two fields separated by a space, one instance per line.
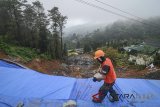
x=58 y=22
x=4 y=17
x=12 y=18
x=27 y=25
x=87 y=48
x=78 y=44
x=15 y=10
x=61 y=23
x=54 y=17
x=41 y=26
x=36 y=26
x=65 y=50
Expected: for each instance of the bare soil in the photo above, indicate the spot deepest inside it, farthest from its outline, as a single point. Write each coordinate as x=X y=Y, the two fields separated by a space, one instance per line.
x=63 y=68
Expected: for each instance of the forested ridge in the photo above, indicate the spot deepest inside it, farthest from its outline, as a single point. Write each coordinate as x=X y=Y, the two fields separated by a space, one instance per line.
x=28 y=25
x=118 y=34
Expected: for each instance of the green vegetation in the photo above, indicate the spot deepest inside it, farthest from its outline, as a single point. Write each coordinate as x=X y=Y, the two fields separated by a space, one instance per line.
x=117 y=35
x=157 y=59
x=41 y=34
x=27 y=25
x=117 y=58
x=120 y=60
x=24 y=53
x=72 y=52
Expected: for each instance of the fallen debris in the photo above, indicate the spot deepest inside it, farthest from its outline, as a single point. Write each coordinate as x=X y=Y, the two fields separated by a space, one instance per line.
x=70 y=103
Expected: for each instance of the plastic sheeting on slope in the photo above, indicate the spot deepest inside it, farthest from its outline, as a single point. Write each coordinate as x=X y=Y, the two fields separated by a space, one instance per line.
x=27 y=83
x=146 y=92
x=34 y=89
x=5 y=63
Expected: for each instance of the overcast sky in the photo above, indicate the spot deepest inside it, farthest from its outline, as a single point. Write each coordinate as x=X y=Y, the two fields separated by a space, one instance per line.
x=79 y=13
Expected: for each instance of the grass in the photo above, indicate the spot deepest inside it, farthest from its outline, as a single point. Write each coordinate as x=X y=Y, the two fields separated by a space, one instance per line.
x=24 y=53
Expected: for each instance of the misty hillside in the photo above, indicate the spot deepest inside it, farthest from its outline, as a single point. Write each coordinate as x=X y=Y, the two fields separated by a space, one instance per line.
x=152 y=23
x=119 y=33
x=83 y=29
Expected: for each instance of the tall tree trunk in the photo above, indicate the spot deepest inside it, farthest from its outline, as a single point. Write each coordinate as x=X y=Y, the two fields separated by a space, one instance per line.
x=61 y=41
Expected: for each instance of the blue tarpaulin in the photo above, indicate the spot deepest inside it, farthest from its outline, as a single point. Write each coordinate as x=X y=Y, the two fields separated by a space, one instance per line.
x=5 y=63
x=33 y=89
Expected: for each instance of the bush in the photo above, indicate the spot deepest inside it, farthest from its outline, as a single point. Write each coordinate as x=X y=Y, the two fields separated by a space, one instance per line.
x=117 y=58
x=4 y=47
x=140 y=67
x=24 y=53
x=45 y=56
x=157 y=60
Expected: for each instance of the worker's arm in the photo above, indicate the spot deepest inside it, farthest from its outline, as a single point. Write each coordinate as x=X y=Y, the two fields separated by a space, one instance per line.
x=105 y=70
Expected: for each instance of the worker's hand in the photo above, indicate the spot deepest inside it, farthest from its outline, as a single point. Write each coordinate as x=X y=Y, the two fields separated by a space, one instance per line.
x=94 y=79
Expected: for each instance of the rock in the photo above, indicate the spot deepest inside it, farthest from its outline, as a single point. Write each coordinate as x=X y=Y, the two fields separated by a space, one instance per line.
x=70 y=103
x=153 y=75
x=64 y=65
x=37 y=60
x=20 y=104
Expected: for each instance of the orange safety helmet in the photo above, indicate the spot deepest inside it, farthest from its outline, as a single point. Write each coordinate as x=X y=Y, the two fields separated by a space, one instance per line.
x=98 y=54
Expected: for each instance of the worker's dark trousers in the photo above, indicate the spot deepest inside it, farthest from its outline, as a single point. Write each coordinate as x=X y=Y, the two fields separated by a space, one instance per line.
x=105 y=88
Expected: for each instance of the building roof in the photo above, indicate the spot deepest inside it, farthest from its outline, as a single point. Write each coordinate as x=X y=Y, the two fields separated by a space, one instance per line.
x=145 y=49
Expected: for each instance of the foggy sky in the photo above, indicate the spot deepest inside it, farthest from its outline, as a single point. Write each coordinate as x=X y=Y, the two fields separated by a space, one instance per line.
x=79 y=14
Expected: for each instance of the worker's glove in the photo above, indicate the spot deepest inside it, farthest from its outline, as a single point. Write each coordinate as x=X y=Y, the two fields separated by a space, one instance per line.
x=94 y=79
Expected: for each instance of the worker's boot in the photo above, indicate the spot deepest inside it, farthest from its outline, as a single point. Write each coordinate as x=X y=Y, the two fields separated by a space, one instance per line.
x=114 y=97
x=100 y=98
x=97 y=100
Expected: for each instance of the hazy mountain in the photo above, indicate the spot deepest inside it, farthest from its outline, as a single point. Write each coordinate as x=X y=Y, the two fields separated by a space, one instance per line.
x=83 y=29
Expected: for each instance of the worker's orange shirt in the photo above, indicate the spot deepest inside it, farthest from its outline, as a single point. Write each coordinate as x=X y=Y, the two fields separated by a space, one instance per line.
x=111 y=75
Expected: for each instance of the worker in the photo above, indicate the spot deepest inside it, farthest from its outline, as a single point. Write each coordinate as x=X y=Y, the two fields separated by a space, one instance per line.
x=107 y=70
